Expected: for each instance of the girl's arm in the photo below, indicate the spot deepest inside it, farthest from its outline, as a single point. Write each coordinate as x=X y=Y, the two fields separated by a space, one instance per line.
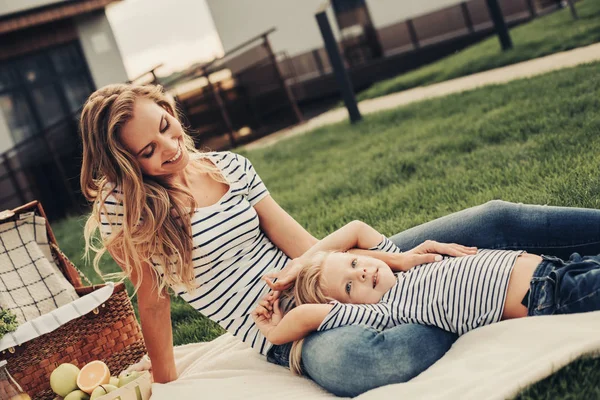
x=355 y=234
x=295 y=325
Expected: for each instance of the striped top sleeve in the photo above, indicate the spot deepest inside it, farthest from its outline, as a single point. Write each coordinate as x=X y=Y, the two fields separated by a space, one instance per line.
x=377 y=316
x=256 y=188
x=387 y=246
x=111 y=213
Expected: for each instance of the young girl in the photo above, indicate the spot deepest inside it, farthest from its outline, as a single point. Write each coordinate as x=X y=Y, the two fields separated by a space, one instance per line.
x=456 y=294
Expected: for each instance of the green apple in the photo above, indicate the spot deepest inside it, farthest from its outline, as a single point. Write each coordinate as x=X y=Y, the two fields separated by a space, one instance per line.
x=114 y=381
x=128 y=377
x=77 y=395
x=63 y=380
x=102 y=390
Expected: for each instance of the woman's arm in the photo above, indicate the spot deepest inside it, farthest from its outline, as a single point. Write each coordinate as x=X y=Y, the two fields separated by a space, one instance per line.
x=283 y=230
x=295 y=325
x=155 y=318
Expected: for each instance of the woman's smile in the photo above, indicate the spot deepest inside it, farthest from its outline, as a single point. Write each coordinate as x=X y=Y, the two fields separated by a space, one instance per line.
x=177 y=156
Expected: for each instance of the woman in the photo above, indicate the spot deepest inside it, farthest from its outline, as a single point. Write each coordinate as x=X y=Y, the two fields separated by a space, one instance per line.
x=205 y=225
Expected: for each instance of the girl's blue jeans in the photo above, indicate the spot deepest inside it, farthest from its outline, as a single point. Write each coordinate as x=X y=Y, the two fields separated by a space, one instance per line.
x=351 y=360
x=565 y=287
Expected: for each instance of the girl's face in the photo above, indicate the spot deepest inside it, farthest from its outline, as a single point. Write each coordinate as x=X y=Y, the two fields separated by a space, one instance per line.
x=353 y=279
x=155 y=138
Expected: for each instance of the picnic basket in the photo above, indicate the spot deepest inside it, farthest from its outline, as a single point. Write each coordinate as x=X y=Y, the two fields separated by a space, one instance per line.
x=109 y=333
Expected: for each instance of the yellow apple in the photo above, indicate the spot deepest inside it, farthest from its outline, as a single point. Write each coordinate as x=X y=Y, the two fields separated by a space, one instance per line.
x=102 y=390
x=128 y=377
x=77 y=395
x=63 y=380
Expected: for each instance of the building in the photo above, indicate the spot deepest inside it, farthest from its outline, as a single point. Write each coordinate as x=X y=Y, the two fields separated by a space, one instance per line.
x=53 y=55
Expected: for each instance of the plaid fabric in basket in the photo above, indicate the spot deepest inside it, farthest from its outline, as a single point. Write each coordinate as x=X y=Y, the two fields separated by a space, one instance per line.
x=30 y=283
x=56 y=318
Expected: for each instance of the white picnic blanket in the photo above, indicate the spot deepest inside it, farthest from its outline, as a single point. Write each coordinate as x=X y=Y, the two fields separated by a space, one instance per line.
x=493 y=362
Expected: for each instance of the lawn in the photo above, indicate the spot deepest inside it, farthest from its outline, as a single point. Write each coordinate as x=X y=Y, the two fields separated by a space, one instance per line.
x=532 y=141
x=545 y=35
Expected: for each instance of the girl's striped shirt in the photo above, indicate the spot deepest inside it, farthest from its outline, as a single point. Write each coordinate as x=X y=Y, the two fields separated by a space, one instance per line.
x=230 y=252
x=457 y=294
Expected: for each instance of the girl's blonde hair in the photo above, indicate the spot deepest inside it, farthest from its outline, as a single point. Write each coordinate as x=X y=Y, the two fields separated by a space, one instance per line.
x=308 y=289
x=156 y=214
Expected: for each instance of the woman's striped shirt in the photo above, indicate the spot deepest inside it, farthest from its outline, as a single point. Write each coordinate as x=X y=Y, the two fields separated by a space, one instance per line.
x=457 y=294
x=230 y=252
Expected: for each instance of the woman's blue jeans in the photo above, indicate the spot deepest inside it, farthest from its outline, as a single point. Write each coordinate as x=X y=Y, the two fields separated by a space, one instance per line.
x=351 y=360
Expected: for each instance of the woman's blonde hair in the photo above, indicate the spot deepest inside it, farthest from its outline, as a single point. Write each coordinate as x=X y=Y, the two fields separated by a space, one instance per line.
x=308 y=289
x=156 y=214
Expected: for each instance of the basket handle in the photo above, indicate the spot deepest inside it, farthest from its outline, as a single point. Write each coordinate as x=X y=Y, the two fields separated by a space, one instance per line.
x=65 y=265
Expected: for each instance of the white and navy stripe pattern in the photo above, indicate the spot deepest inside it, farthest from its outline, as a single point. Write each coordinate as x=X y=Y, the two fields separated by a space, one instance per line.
x=457 y=294
x=230 y=253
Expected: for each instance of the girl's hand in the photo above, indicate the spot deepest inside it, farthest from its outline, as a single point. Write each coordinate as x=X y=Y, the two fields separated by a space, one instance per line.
x=286 y=277
x=427 y=252
x=267 y=314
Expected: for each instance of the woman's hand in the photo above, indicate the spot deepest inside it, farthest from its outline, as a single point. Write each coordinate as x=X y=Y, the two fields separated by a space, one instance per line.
x=427 y=252
x=286 y=277
x=267 y=314
x=144 y=364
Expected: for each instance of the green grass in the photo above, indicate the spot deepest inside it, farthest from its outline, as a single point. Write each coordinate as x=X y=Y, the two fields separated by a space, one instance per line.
x=532 y=141
x=545 y=35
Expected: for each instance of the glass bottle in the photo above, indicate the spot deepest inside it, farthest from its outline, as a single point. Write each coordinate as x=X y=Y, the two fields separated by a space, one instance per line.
x=9 y=388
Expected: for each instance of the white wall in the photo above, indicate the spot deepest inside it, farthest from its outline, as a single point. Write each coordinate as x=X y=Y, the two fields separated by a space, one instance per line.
x=297 y=31
x=100 y=49
x=387 y=12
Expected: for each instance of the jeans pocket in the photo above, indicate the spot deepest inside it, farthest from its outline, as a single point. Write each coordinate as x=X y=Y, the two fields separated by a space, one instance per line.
x=544 y=303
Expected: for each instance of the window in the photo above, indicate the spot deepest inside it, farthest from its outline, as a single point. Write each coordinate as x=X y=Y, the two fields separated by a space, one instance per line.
x=40 y=90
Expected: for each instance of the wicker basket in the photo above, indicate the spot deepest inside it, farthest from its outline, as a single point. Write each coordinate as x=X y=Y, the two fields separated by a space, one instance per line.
x=110 y=333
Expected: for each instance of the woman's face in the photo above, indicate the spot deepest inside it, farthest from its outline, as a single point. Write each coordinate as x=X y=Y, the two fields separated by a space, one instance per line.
x=155 y=138
x=353 y=279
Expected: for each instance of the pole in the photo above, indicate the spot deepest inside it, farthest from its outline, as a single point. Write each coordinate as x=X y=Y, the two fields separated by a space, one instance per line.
x=412 y=32
x=531 y=7
x=335 y=59
x=467 y=17
x=286 y=89
x=499 y=24
x=224 y=114
x=573 y=9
